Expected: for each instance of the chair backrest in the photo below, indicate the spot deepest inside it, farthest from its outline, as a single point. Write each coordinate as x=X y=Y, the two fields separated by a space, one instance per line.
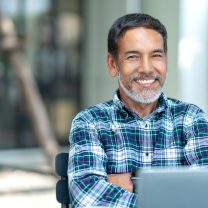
x=62 y=191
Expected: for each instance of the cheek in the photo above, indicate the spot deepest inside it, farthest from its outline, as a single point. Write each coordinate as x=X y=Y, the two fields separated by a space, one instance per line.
x=162 y=69
x=124 y=72
x=164 y=72
x=163 y=76
x=125 y=79
x=127 y=71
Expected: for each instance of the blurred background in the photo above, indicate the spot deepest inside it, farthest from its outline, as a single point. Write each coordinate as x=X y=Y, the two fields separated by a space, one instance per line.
x=53 y=64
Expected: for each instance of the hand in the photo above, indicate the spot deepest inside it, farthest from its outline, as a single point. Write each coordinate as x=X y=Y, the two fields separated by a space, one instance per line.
x=122 y=179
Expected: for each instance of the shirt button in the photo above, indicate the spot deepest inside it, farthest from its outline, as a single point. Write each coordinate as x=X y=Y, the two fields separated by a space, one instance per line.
x=146 y=125
x=124 y=114
x=147 y=154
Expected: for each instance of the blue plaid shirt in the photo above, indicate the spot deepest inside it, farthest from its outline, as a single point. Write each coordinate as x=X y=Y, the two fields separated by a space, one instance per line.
x=111 y=138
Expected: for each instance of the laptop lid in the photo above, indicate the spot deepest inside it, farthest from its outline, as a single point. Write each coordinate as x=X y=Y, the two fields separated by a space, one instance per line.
x=173 y=188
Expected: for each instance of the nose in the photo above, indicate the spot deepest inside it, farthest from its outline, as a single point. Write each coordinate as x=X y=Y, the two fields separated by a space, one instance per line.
x=146 y=65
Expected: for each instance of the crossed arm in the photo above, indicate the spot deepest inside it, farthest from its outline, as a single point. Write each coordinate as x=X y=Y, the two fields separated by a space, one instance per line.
x=122 y=180
x=89 y=183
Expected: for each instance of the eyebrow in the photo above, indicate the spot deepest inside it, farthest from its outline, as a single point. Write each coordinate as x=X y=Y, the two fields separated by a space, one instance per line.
x=138 y=52
x=158 y=51
x=130 y=52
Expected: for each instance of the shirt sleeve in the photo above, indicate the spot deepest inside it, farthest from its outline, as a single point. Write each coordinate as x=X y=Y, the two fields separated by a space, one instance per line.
x=87 y=171
x=196 y=149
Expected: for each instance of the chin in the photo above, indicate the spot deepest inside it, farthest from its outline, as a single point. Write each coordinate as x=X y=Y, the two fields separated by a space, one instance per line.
x=145 y=97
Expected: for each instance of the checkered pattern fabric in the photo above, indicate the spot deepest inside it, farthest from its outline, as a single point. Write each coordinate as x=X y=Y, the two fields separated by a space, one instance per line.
x=111 y=138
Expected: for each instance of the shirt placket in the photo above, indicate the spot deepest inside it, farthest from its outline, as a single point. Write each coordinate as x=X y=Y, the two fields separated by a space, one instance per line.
x=147 y=143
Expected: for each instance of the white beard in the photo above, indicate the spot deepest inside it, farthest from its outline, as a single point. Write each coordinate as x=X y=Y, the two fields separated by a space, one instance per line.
x=146 y=96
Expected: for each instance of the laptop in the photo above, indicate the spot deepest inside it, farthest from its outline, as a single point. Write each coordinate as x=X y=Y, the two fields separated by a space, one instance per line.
x=172 y=188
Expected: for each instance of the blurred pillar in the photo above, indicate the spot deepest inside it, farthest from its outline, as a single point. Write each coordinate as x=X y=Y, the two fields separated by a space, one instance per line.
x=97 y=85
x=34 y=105
x=193 y=52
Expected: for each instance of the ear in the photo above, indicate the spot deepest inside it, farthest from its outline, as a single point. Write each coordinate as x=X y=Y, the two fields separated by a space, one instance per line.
x=112 y=65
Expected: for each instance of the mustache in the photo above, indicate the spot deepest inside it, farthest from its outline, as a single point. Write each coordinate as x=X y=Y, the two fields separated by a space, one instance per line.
x=136 y=76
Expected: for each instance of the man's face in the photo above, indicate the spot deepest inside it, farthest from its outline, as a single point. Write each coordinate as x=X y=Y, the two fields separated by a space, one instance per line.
x=141 y=64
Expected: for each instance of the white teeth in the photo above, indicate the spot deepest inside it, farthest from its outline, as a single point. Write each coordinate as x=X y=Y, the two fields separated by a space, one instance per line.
x=146 y=81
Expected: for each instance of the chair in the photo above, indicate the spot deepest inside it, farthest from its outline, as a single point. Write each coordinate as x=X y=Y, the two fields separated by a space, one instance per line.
x=62 y=192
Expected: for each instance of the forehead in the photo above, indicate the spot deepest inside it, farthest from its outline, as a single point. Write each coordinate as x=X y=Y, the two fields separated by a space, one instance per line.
x=141 y=38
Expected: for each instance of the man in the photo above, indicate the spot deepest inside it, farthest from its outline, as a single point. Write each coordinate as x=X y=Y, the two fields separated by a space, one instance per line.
x=139 y=128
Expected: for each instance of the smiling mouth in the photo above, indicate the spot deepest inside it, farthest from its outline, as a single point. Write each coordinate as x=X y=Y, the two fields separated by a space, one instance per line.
x=145 y=81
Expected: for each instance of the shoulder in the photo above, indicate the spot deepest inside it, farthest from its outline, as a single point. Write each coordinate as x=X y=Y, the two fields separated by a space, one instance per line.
x=185 y=109
x=95 y=112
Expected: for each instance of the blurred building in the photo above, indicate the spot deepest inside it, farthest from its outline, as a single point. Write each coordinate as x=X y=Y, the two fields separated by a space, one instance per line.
x=65 y=43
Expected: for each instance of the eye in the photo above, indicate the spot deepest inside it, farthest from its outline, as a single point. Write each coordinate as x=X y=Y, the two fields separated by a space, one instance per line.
x=133 y=57
x=157 y=55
